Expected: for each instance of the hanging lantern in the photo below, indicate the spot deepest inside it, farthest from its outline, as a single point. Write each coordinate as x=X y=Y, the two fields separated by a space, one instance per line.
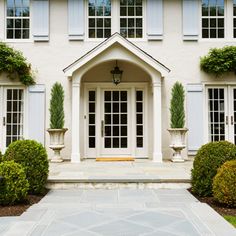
x=116 y=74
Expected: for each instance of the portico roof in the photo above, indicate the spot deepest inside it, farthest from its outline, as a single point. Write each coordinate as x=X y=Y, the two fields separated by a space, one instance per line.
x=109 y=42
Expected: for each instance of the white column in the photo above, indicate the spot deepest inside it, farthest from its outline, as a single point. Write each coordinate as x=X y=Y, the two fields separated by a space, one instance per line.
x=157 y=130
x=75 y=154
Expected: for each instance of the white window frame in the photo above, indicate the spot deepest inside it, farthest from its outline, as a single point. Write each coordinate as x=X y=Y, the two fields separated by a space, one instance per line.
x=228 y=108
x=97 y=17
x=3 y=89
x=216 y=17
x=30 y=39
x=115 y=21
x=132 y=17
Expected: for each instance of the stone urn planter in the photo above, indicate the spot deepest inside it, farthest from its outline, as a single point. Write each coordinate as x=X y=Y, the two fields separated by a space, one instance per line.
x=177 y=143
x=177 y=121
x=57 y=130
x=57 y=143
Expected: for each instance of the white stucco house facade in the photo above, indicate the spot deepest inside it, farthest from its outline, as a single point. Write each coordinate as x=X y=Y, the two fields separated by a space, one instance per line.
x=154 y=42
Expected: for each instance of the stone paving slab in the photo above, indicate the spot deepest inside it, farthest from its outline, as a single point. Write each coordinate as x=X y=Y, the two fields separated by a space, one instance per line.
x=129 y=212
x=6 y=222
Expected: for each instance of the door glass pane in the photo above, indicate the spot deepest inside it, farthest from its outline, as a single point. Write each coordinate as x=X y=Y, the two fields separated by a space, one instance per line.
x=216 y=114
x=92 y=119
x=139 y=119
x=115 y=119
x=14 y=115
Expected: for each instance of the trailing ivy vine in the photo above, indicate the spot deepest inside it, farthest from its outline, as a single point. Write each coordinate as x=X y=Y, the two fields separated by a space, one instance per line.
x=15 y=65
x=219 y=61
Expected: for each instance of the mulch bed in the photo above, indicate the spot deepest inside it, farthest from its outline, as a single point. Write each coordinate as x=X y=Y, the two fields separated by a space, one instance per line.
x=220 y=208
x=18 y=209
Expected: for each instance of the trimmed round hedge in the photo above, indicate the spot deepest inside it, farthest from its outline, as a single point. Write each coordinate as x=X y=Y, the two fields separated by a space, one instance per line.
x=14 y=186
x=208 y=159
x=224 y=184
x=33 y=157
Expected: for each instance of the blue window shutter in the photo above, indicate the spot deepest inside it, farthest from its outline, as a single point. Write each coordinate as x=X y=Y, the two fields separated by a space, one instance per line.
x=40 y=14
x=155 y=19
x=195 y=113
x=36 y=111
x=191 y=19
x=76 y=19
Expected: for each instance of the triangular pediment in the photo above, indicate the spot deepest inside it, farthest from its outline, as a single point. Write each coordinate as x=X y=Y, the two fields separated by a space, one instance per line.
x=109 y=43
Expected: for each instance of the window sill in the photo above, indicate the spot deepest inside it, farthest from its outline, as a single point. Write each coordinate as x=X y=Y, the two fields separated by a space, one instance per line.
x=18 y=41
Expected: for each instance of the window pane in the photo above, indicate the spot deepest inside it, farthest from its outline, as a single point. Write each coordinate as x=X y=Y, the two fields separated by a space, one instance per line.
x=19 y=23
x=131 y=21
x=212 y=18
x=99 y=20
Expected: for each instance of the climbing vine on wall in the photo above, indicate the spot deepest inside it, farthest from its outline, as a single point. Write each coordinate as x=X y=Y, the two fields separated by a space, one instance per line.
x=219 y=61
x=15 y=65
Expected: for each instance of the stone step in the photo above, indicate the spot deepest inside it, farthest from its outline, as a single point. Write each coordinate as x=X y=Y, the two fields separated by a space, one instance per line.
x=118 y=183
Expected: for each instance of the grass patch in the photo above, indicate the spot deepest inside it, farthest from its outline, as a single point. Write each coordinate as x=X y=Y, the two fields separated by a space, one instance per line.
x=231 y=219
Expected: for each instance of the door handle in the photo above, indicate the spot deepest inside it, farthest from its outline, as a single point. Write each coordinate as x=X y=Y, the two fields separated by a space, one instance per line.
x=227 y=120
x=4 y=121
x=232 y=120
x=102 y=128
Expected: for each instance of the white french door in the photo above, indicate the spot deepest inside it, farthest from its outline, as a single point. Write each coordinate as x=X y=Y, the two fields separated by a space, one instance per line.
x=115 y=123
x=11 y=115
x=222 y=113
x=115 y=120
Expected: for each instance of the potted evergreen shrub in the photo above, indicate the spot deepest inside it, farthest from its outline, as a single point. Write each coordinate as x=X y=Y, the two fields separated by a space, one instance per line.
x=177 y=130
x=57 y=130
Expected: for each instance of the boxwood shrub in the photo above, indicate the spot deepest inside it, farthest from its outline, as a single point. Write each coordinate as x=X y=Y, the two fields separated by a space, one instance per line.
x=224 y=184
x=33 y=157
x=14 y=186
x=208 y=159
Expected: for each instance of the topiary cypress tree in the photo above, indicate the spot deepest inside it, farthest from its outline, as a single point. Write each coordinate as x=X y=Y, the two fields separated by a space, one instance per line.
x=57 y=107
x=177 y=106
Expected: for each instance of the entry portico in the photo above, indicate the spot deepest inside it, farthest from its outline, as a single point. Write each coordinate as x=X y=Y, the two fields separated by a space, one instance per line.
x=114 y=120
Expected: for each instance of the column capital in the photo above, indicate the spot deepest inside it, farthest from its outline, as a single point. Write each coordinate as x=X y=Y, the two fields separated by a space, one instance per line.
x=156 y=84
x=76 y=84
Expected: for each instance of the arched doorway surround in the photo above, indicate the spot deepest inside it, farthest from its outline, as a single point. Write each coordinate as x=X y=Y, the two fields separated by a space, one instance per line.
x=115 y=48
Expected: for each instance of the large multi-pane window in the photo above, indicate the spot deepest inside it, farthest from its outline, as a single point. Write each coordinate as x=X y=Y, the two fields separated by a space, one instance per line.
x=18 y=19
x=99 y=18
x=213 y=22
x=234 y=12
x=131 y=18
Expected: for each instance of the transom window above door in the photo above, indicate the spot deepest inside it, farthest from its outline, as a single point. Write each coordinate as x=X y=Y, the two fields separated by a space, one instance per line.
x=17 y=19
x=213 y=19
x=106 y=17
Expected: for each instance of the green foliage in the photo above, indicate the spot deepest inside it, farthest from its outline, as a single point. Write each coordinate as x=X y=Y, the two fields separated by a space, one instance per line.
x=57 y=107
x=177 y=106
x=14 y=64
x=14 y=187
x=219 y=61
x=33 y=157
x=224 y=184
x=208 y=159
x=0 y=156
x=231 y=219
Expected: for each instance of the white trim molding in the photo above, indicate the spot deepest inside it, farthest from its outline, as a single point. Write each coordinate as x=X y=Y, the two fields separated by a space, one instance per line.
x=75 y=119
